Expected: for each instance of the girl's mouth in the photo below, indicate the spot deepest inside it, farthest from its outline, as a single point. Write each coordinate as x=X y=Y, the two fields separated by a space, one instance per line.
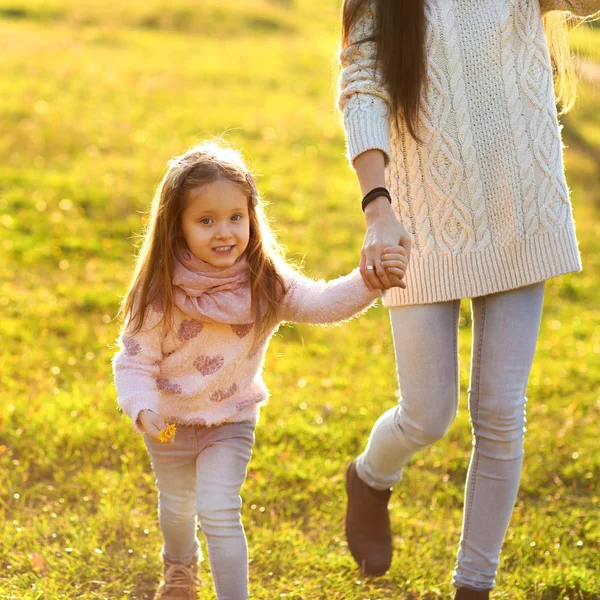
x=223 y=249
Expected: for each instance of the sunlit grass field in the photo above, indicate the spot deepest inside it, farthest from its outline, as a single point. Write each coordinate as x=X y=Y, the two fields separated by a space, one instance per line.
x=95 y=97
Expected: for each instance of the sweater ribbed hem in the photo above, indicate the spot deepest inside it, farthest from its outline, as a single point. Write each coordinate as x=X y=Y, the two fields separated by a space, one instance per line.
x=250 y=415
x=441 y=278
x=367 y=132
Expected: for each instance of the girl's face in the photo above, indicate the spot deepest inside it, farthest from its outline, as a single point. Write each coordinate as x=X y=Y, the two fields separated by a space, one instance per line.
x=216 y=223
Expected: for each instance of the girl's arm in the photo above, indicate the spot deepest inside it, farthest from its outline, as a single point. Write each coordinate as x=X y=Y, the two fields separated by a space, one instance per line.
x=322 y=302
x=136 y=367
x=581 y=8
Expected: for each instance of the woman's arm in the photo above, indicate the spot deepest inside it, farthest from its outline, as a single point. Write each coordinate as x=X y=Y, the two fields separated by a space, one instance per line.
x=383 y=228
x=581 y=8
x=365 y=105
x=362 y=99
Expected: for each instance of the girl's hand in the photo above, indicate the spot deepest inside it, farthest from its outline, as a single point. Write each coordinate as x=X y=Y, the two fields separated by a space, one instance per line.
x=394 y=261
x=152 y=424
x=383 y=231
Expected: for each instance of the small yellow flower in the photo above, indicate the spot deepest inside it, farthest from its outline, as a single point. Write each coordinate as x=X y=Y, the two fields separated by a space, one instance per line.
x=164 y=435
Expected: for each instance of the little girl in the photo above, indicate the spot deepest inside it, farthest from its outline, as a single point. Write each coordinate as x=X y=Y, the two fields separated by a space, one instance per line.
x=209 y=289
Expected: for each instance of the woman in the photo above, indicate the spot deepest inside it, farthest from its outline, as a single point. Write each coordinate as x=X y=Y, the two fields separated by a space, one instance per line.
x=451 y=105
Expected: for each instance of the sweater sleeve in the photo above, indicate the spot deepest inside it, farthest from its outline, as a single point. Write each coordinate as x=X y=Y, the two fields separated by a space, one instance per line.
x=581 y=8
x=136 y=366
x=322 y=302
x=362 y=98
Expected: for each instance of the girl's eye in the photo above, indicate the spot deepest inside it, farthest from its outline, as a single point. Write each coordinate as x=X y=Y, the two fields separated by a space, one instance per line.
x=206 y=221
x=236 y=218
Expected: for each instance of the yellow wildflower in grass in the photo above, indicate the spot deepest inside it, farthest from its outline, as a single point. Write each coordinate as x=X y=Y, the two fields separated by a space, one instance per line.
x=164 y=435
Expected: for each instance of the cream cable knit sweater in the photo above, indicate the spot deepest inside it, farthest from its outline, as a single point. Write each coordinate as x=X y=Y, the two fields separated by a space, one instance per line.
x=206 y=373
x=484 y=197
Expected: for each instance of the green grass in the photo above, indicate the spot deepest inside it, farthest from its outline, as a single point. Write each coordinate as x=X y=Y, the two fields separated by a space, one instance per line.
x=95 y=99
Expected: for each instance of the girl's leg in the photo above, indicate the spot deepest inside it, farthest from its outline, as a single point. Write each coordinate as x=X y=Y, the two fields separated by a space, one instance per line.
x=425 y=342
x=221 y=469
x=175 y=468
x=505 y=332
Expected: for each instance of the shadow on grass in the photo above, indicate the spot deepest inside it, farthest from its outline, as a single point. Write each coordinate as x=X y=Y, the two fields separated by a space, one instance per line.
x=555 y=592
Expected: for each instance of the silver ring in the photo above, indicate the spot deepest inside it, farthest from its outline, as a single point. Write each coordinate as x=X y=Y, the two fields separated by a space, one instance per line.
x=370 y=268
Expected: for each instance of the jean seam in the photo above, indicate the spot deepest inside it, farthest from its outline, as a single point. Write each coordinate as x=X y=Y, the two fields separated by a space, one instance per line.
x=455 y=350
x=474 y=417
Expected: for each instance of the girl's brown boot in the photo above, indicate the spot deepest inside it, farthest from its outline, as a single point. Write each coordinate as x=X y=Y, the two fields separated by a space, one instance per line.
x=179 y=582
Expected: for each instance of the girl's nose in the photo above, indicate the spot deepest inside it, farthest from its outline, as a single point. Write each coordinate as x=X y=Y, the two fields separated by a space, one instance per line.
x=223 y=231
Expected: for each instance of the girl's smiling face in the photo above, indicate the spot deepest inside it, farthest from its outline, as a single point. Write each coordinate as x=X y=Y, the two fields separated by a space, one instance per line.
x=215 y=222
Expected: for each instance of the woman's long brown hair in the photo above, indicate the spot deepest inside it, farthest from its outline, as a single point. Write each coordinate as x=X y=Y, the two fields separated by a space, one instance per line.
x=151 y=282
x=399 y=36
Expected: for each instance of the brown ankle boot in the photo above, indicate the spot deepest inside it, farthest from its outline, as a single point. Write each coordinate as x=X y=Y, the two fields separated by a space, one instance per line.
x=469 y=594
x=368 y=525
x=179 y=582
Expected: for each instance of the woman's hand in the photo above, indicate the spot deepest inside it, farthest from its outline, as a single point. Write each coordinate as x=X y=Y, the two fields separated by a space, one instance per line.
x=152 y=424
x=383 y=231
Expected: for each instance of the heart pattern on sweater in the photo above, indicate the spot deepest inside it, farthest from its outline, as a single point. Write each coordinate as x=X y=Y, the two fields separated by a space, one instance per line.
x=164 y=385
x=189 y=329
x=207 y=365
x=132 y=347
x=223 y=393
x=242 y=406
x=242 y=330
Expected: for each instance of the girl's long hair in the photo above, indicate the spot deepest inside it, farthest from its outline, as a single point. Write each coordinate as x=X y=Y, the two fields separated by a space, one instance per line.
x=152 y=280
x=399 y=38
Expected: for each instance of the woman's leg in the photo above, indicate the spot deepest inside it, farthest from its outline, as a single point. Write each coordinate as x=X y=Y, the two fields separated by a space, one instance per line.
x=221 y=470
x=425 y=342
x=505 y=331
x=175 y=468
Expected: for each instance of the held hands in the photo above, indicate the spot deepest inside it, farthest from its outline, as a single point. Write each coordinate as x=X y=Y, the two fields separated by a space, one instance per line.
x=393 y=264
x=386 y=241
x=152 y=424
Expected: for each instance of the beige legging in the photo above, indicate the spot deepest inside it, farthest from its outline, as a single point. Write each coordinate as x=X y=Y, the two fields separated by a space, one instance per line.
x=505 y=331
x=201 y=474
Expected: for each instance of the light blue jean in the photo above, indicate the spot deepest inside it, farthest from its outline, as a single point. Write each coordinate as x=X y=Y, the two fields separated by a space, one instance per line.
x=201 y=474
x=505 y=331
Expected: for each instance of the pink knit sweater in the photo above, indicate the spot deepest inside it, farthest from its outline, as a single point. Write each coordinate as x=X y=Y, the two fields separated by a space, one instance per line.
x=207 y=373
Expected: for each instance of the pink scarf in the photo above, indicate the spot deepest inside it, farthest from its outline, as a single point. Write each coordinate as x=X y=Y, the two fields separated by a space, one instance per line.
x=211 y=294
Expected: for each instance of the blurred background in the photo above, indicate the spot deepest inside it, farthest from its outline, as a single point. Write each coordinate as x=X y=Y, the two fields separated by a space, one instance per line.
x=95 y=98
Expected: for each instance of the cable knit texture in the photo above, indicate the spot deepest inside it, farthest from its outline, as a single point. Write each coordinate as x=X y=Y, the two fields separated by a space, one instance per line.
x=484 y=196
x=208 y=373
